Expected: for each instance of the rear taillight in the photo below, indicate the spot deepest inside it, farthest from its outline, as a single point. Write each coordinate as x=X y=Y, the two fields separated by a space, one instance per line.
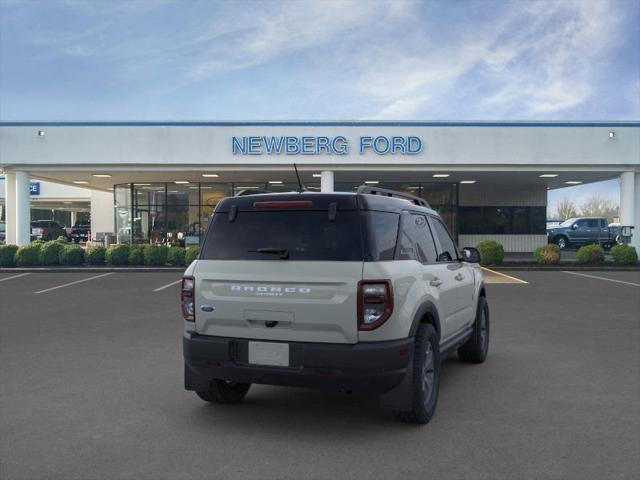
x=375 y=303
x=187 y=298
x=41 y=230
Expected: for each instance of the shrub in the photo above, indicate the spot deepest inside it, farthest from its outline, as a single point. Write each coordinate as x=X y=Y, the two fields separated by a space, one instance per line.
x=50 y=253
x=190 y=255
x=175 y=256
x=491 y=252
x=155 y=255
x=29 y=255
x=72 y=255
x=118 y=254
x=62 y=239
x=547 y=254
x=590 y=254
x=8 y=255
x=136 y=255
x=95 y=255
x=38 y=242
x=624 y=255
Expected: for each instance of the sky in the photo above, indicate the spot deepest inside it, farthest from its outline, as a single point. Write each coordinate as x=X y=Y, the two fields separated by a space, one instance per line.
x=332 y=59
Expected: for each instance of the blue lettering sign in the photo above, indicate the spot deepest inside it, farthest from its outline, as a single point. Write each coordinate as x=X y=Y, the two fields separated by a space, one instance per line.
x=34 y=188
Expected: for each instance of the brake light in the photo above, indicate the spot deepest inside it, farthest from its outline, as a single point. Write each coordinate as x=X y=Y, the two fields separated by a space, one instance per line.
x=284 y=204
x=187 y=298
x=375 y=303
x=41 y=230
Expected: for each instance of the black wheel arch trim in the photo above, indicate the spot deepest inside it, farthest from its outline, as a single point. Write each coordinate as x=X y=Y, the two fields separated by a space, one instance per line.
x=427 y=308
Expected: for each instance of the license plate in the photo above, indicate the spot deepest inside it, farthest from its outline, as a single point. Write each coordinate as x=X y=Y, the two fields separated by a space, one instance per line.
x=269 y=353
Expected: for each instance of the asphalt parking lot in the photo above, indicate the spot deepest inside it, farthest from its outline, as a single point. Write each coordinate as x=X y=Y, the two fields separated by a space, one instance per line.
x=91 y=388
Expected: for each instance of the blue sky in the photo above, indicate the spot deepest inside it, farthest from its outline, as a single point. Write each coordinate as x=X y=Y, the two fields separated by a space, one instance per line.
x=456 y=60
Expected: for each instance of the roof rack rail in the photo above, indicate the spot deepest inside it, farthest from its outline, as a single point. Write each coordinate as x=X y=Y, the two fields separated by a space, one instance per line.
x=249 y=191
x=392 y=193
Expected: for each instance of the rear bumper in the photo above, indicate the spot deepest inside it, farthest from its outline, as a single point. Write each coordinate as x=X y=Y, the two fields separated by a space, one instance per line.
x=374 y=367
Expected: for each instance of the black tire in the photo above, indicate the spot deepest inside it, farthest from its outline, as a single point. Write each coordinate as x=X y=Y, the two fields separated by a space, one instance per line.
x=562 y=242
x=221 y=391
x=426 y=377
x=475 y=349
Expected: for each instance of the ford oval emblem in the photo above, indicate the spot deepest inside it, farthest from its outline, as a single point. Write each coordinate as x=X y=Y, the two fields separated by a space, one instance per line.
x=207 y=308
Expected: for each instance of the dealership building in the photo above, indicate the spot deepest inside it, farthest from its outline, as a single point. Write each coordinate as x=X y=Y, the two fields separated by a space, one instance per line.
x=160 y=181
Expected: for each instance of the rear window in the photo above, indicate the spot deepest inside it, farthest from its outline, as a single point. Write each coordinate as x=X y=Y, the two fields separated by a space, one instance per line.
x=304 y=235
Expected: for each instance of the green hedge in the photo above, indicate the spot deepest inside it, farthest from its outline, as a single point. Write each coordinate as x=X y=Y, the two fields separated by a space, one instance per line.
x=547 y=254
x=191 y=253
x=155 y=255
x=95 y=255
x=590 y=254
x=72 y=255
x=136 y=255
x=491 y=252
x=118 y=254
x=176 y=256
x=29 y=255
x=624 y=255
x=8 y=255
x=50 y=253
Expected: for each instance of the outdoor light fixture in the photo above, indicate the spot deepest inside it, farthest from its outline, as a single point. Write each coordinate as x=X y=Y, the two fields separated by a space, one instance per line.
x=468 y=181
x=549 y=175
x=612 y=134
x=80 y=182
x=210 y=175
x=317 y=175
x=275 y=182
x=101 y=175
x=141 y=184
x=440 y=175
x=41 y=133
x=371 y=182
x=573 y=182
x=181 y=182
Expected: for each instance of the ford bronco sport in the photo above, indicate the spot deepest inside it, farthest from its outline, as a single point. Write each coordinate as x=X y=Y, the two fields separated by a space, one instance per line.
x=360 y=291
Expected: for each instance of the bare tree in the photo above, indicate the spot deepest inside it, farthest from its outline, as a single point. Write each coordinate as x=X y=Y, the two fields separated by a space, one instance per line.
x=596 y=206
x=565 y=209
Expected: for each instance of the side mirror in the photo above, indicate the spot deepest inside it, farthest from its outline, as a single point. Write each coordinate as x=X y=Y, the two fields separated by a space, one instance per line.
x=574 y=226
x=471 y=255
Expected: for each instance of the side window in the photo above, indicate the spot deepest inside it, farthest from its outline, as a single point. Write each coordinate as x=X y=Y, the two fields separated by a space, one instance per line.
x=416 y=241
x=448 y=250
x=581 y=223
x=593 y=223
x=383 y=233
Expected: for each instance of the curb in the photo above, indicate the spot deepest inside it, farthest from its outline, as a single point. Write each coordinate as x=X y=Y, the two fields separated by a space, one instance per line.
x=569 y=268
x=91 y=269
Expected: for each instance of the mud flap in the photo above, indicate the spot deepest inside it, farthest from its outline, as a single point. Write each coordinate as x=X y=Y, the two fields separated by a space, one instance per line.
x=401 y=397
x=194 y=381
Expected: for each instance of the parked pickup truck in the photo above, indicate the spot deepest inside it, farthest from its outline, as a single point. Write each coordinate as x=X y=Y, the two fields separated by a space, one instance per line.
x=580 y=231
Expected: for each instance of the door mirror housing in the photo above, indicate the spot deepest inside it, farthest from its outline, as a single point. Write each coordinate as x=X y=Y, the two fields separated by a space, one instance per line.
x=471 y=255
x=575 y=226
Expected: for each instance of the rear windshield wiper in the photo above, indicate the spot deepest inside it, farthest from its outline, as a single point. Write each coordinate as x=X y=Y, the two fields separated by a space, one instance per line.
x=283 y=252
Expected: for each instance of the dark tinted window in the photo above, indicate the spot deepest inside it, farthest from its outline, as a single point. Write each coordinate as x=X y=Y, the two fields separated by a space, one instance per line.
x=593 y=223
x=502 y=220
x=382 y=230
x=416 y=242
x=447 y=247
x=306 y=235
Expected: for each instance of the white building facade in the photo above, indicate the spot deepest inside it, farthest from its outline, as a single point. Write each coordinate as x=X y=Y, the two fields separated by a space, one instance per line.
x=159 y=181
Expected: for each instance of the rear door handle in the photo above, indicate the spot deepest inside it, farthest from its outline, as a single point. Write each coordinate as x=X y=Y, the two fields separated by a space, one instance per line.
x=436 y=282
x=459 y=277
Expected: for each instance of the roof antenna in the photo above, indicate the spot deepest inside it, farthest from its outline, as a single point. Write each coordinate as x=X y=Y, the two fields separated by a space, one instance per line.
x=301 y=187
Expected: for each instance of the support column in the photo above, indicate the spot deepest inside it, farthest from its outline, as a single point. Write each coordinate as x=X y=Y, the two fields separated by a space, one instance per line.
x=22 y=208
x=73 y=218
x=326 y=181
x=629 y=205
x=10 y=206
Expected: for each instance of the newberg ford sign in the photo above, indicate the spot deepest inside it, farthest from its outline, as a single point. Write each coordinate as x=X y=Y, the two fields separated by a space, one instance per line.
x=311 y=145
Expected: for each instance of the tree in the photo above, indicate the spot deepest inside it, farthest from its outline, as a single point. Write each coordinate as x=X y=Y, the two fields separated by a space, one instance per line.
x=565 y=209
x=596 y=206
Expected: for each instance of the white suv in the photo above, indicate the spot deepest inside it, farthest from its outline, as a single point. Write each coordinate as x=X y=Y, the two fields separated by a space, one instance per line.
x=357 y=291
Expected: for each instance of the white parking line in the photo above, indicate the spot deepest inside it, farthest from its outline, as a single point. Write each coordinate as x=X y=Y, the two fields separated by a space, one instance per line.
x=14 y=276
x=168 y=285
x=603 y=278
x=74 y=283
x=509 y=278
